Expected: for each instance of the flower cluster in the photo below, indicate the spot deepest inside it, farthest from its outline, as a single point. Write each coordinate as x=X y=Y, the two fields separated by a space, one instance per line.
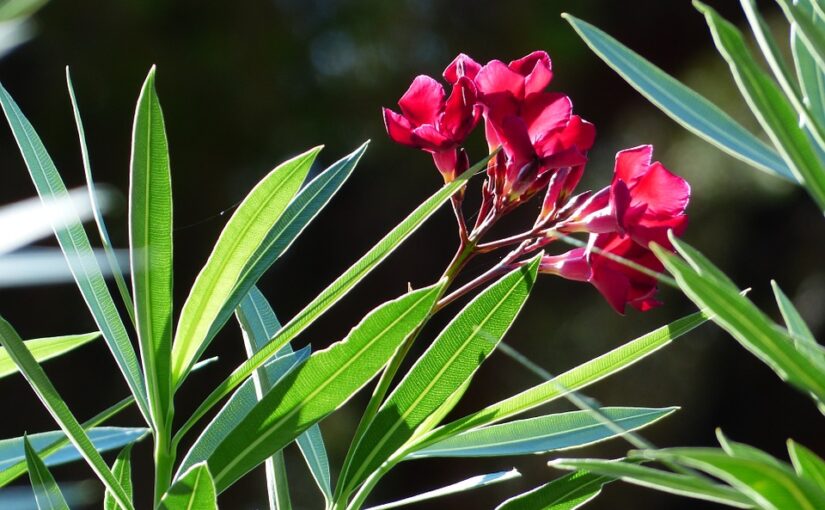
x=537 y=143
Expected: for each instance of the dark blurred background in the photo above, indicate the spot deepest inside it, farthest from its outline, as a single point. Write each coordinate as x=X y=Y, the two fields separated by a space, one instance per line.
x=245 y=85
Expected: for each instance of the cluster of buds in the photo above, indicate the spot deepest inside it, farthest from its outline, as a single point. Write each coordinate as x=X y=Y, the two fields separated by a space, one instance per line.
x=537 y=143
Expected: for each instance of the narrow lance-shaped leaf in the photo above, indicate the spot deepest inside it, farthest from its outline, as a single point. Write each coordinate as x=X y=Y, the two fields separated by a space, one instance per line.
x=75 y=245
x=803 y=338
x=150 y=236
x=811 y=77
x=807 y=464
x=447 y=364
x=46 y=492
x=743 y=320
x=236 y=409
x=565 y=493
x=97 y=211
x=780 y=70
x=543 y=434
x=324 y=383
x=472 y=483
x=810 y=32
x=674 y=483
x=692 y=111
x=58 y=442
x=122 y=469
x=45 y=348
x=259 y=324
x=57 y=407
x=195 y=489
x=103 y=438
x=334 y=292
x=300 y=212
x=768 y=484
x=239 y=241
x=574 y=379
x=770 y=107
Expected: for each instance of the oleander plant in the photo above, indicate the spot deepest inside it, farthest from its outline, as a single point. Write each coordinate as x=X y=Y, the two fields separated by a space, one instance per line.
x=623 y=239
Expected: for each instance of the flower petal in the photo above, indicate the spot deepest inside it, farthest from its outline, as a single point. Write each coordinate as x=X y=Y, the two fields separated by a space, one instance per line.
x=398 y=127
x=461 y=113
x=462 y=65
x=423 y=101
x=572 y=265
x=496 y=77
x=631 y=164
x=546 y=112
x=430 y=139
x=664 y=193
x=537 y=70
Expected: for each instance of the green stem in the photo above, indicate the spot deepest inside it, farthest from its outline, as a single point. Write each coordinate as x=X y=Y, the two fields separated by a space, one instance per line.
x=164 y=463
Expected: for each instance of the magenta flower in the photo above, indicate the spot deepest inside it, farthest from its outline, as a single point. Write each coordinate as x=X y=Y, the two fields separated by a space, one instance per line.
x=435 y=123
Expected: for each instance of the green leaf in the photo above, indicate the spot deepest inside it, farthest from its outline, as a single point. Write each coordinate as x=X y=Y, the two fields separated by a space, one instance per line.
x=75 y=245
x=195 y=489
x=809 y=74
x=810 y=32
x=682 y=104
x=122 y=469
x=334 y=292
x=320 y=386
x=475 y=482
x=236 y=409
x=103 y=439
x=259 y=324
x=443 y=369
x=57 y=407
x=239 y=242
x=46 y=491
x=802 y=336
x=770 y=107
x=46 y=348
x=150 y=236
x=807 y=464
x=57 y=442
x=306 y=205
x=743 y=320
x=108 y=249
x=776 y=62
x=673 y=483
x=771 y=485
x=543 y=434
x=565 y=493
x=577 y=378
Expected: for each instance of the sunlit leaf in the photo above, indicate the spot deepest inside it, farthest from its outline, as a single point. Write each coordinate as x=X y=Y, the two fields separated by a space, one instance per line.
x=565 y=493
x=46 y=491
x=45 y=348
x=443 y=369
x=122 y=469
x=807 y=464
x=239 y=242
x=692 y=111
x=321 y=385
x=195 y=489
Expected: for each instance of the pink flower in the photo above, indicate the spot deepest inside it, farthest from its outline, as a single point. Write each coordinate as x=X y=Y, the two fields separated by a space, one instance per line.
x=620 y=284
x=536 y=130
x=435 y=123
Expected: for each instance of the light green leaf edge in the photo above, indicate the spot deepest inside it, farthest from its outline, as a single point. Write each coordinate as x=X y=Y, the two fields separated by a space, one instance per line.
x=332 y=294
x=807 y=464
x=45 y=349
x=57 y=407
x=194 y=490
x=323 y=384
x=150 y=242
x=239 y=241
x=79 y=256
x=105 y=240
x=768 y=104
x=564 y=493
x=680 y=103
x=122 y=469
x=451 y=360
x=46 y=492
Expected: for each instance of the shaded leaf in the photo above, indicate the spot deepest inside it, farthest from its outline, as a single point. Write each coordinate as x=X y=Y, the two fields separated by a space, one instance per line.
x=46 y=491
